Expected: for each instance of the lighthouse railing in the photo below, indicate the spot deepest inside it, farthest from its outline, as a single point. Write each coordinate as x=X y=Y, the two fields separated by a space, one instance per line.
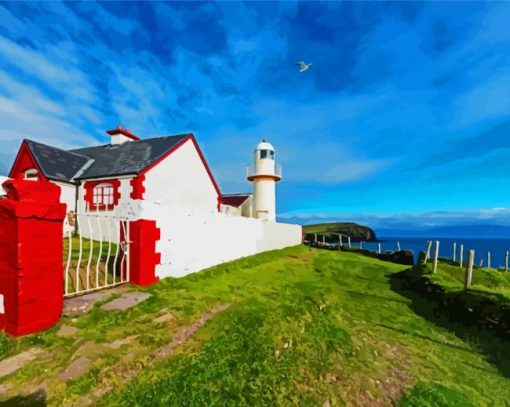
x=252 y=170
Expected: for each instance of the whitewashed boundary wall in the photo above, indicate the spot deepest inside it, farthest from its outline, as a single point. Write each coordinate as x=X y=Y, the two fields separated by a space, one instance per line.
x=194 y=240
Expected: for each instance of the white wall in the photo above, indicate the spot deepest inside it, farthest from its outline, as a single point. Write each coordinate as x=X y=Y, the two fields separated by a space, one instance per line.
x=192 y=240
x=181 y=180
x=231 y=210
x=68 y=197
x=245 y=209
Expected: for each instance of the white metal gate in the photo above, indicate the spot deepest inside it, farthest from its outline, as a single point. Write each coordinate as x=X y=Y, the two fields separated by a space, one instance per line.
x=96 y=252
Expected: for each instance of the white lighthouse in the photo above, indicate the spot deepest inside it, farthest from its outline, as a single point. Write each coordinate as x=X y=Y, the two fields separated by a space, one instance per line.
x=264 y=173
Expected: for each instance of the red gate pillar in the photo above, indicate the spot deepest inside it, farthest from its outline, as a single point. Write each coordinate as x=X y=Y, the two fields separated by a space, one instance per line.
x=143 y=235
x=31 y=270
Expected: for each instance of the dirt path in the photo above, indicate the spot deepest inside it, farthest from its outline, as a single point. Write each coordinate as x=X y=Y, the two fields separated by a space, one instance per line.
x=122 y=373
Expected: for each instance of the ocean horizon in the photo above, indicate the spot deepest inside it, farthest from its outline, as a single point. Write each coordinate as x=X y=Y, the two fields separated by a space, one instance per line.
x=496 y=246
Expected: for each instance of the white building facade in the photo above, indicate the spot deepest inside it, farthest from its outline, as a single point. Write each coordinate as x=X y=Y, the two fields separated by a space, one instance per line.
x=166 y=179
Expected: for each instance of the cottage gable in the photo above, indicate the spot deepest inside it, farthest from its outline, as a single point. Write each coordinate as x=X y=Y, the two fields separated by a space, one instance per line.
x=129 y=157
x=183 y=180
x=50 y=162
x=168 y=169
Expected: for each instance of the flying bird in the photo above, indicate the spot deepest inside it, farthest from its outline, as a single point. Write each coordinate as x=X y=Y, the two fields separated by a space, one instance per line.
x=303 y=66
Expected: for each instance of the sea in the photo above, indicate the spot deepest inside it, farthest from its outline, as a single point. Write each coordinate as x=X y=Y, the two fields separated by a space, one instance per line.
x=497 y=247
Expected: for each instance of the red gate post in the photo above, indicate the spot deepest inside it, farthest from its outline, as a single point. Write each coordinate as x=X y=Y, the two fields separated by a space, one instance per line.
x=143 y=235
x=31 y=269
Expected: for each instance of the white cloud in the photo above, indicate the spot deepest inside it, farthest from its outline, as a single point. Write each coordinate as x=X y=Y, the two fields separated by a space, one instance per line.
x=488 y=100
x=499 y=216
x=46 y=70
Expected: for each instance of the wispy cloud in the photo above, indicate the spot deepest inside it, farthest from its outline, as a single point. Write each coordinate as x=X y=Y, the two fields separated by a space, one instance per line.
x=409 y=221
x=402 y=100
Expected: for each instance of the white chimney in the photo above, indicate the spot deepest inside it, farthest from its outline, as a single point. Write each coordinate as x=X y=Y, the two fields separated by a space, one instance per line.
x=120 y=136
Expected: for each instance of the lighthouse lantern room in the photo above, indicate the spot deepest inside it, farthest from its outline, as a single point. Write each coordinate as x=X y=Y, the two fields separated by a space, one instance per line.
x=264 y=173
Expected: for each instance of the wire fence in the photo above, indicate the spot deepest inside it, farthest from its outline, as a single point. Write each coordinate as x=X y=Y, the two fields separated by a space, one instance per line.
x=462 y=255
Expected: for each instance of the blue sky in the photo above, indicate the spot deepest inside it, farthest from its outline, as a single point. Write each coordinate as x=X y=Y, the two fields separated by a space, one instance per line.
x=405 y=113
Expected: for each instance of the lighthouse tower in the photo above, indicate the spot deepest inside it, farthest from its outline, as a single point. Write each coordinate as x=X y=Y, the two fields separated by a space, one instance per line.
x=264 y=173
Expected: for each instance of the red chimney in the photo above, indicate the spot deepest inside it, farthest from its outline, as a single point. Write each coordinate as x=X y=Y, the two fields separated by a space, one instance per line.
x=120 y=135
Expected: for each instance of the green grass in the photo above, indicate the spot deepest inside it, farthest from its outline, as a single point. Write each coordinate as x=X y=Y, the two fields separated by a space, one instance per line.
x=305 y=326
x=86 y=247
x=97 y=253
x=452 y=278
x=423 y=395
x=347 y=327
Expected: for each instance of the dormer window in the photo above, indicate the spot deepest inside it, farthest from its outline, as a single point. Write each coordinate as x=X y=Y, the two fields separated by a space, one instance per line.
x=32 y=174
x=269 y=154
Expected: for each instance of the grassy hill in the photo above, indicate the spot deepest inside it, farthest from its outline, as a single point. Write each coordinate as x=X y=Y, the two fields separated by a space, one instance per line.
x=452 y=278
x=304 y=326
x=331 y=230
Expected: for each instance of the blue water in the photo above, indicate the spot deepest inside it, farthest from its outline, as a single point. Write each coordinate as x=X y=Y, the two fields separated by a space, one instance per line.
x=497 y=247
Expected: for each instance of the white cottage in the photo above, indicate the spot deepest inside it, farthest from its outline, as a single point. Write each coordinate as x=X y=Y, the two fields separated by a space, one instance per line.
x=171 y=170
x=168 y=181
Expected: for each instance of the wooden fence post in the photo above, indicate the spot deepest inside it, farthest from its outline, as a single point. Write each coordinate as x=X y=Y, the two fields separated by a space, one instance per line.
x=488 y=260
x=398 y=245
x=461 y=254
x=323 y=239
x=469 y=269
x=379 y=247
x=436 y=255
x=506 y=260
x=349 y=241
x=340 y=239
x=427 y=252
x=315 y=238
x=454 y=251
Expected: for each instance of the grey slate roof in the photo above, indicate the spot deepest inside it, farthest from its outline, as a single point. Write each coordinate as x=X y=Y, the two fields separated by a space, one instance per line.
x=56 y=164
x=108 y=160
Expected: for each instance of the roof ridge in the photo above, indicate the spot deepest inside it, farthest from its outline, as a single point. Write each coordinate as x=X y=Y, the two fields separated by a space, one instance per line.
x=56 y=148
x=149 y=152
x=139 y=141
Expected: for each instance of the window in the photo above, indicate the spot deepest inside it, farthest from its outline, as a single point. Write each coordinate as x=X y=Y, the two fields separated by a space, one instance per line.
x=32 y=175
x=269 y=154
x=103 y=196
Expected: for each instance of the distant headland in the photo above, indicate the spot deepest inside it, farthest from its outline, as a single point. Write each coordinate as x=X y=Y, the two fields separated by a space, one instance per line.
x=331 y=230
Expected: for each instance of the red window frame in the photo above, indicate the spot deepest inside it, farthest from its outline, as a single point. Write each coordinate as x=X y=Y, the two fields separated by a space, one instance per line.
x=94 y=200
